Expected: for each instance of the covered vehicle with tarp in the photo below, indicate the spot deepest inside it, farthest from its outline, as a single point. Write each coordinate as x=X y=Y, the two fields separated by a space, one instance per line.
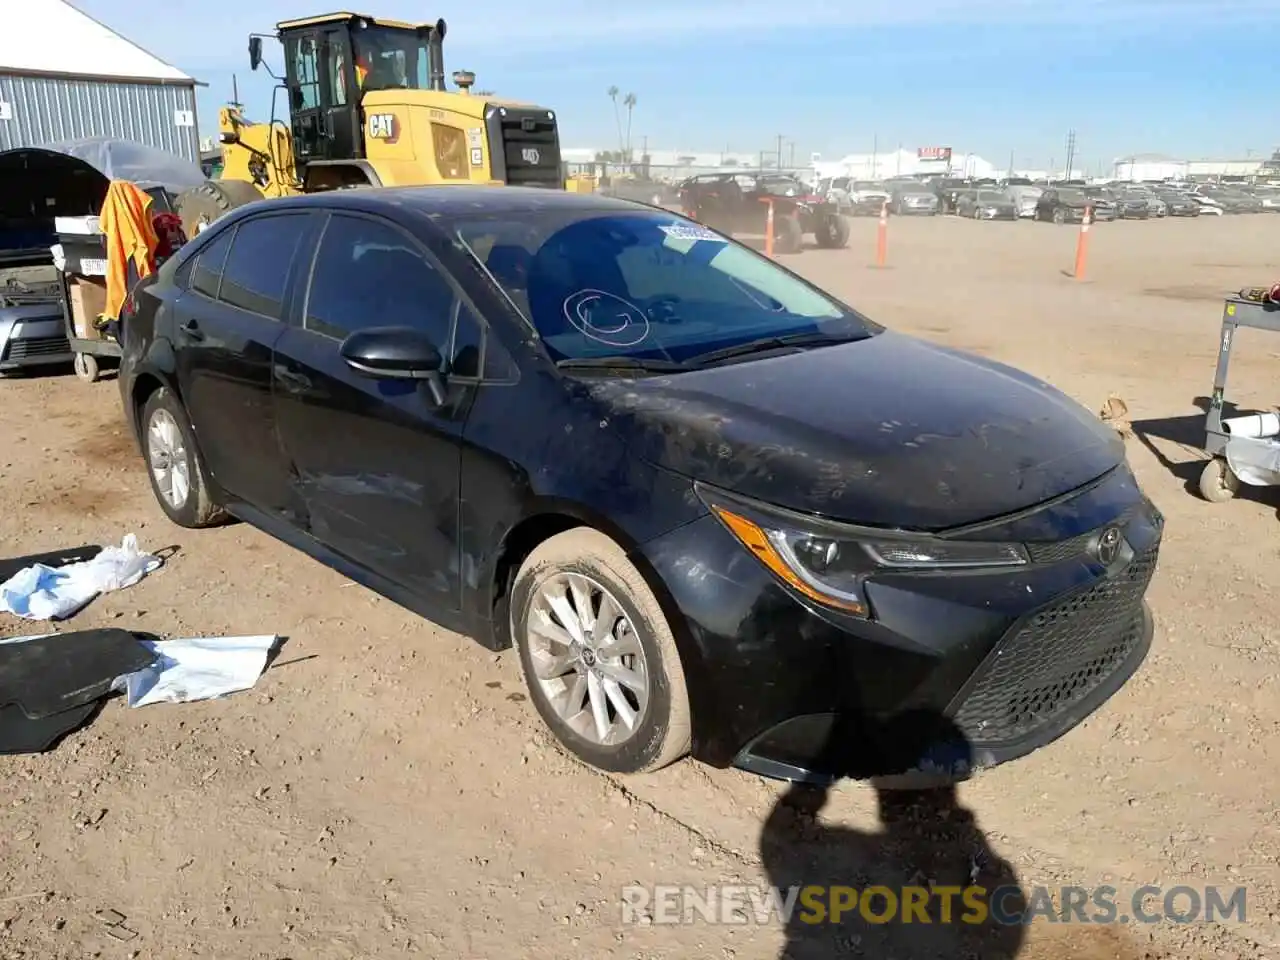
x=41 y=190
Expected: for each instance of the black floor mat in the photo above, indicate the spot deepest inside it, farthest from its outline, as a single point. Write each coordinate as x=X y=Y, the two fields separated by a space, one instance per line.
x=58 y=558
x=49 y=675
x=20 y=734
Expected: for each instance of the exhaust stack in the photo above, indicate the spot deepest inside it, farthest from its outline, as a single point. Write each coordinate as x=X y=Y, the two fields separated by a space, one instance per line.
x=435 y=56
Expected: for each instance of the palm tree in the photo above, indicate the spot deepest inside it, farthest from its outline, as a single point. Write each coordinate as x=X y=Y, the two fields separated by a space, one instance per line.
x=629 y=101
x=617 y=117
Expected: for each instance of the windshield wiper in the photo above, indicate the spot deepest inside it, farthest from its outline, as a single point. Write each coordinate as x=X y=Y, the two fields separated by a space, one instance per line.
x=621 y=363
x=772 y=343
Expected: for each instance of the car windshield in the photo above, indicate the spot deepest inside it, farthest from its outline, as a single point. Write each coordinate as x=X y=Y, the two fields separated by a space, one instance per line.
x=1070 y=196
x=388 y=58
x=645 y=285
x=991 y=196
x=782 y=187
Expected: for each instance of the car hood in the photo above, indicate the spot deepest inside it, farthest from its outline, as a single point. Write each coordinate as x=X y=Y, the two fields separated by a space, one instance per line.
x=889 y=431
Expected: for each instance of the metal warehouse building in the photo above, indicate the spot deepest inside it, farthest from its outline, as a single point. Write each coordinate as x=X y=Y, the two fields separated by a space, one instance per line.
x=65 y=76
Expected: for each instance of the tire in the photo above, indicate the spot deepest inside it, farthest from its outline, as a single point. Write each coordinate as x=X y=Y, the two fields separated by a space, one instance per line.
x=790 y=236
x=194 y=510
x=1059 y=216
x=833 y=233
x=662 y=731
x=1217 y=483
x=206 y=202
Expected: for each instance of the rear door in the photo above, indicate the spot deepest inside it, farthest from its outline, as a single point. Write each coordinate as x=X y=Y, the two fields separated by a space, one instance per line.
x=375 y=461
x=226 y=324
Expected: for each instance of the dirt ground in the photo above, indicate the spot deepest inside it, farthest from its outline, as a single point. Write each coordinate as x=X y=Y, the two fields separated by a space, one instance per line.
x=387 y=791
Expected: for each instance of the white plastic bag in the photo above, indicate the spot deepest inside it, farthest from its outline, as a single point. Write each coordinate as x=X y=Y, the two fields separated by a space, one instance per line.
x=198 y=668
x=39 y=592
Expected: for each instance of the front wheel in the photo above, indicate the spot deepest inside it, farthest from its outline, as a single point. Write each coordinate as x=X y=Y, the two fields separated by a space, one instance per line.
x=1059 y=216
x=178 y=477
x=598 y=656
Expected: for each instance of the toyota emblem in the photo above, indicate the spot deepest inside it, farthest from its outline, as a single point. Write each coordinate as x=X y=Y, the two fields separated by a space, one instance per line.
x=1108 y=546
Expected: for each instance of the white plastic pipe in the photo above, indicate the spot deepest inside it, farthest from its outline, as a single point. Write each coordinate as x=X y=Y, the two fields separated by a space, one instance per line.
x=1254 y=425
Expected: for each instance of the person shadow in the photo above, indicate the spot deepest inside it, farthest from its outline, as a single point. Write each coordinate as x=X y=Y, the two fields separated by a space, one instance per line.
x=929 y=848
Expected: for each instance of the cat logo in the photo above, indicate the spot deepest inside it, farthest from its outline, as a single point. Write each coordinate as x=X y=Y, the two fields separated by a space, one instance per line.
x=531 y=156
x=382 y=126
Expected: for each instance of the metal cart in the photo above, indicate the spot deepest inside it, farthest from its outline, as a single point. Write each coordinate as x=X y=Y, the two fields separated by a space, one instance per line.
x=1217 y=483
x=87 y=351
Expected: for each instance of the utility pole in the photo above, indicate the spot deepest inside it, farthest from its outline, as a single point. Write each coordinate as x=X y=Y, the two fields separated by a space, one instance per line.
x=235 y=93
x=1010 y=164
x=792 y=162
x=875 y=154
x=644 y=147
x=1071 y=153
x=780 y=139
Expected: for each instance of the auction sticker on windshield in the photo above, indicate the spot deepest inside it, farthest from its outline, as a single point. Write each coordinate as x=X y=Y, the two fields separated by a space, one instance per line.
x=686 y=231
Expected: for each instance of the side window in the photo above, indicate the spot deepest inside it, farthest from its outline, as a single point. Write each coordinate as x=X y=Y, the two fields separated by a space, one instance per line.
x=369 y=274
x=207 y=272
x=258 y=266
x=306 y=68
x=471 y=349
x=337 y=64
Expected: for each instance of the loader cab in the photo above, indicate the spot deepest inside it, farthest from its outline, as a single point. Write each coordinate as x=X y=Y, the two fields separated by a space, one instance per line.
x=332 y=62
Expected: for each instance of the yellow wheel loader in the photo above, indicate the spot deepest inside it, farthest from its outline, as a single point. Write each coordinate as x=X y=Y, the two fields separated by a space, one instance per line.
x=368 y=106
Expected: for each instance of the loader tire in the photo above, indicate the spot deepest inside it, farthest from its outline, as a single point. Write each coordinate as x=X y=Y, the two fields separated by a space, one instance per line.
x=206 y=202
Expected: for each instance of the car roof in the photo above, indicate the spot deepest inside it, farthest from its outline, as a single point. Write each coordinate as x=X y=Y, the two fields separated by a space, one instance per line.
x=453 y=201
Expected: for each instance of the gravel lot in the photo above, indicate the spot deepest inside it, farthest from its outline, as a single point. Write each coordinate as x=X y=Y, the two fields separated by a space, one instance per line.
x=386 y=791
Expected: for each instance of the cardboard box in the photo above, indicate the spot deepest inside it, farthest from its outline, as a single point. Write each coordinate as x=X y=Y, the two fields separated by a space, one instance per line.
x=87 y=299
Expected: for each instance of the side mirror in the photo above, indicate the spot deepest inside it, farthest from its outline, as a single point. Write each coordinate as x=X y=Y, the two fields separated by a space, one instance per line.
x=399 y=353
x=255 y=52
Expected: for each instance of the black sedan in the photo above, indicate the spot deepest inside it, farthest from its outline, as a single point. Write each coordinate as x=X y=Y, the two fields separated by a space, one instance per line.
x=714 y=508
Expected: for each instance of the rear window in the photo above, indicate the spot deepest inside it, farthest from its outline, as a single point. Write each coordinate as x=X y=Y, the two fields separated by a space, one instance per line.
x=644 y=284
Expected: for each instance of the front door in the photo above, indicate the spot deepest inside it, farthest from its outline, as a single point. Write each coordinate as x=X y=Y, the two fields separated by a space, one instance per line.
x=376 y=461
x=227 y=322
x=324 y=95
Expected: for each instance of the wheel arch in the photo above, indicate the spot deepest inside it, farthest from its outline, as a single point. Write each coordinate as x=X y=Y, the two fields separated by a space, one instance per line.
x=551 y=517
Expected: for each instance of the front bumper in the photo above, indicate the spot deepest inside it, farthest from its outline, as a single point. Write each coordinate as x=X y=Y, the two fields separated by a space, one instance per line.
x=867 y=206
x=31 y=344
x=953 y=673
x=1004 y=214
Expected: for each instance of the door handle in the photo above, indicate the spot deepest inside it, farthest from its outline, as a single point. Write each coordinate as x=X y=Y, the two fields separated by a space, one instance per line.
x=192 y=329
x=291 y=380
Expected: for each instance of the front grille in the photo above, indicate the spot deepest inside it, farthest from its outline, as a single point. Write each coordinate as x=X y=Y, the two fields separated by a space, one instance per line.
x=33 y=348
x=531 y=149
x=1056 y=658
x=1060 y=550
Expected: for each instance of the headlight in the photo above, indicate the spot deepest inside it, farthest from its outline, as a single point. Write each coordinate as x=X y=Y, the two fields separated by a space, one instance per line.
x=829 y=562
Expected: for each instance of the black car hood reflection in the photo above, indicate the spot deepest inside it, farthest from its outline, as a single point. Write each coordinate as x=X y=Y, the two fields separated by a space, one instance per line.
x=888 y=431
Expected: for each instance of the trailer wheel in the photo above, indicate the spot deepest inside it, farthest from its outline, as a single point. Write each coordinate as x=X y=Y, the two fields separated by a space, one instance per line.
x=1217 y=483
x=206 y=202
x=86 y=367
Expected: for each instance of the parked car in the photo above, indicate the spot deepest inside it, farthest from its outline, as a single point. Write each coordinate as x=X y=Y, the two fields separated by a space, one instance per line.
x=1179 y=204
x=912 y=198
x=948 y=191
x=1025 y=197
x=1135 y=193
x=1268 y=197
x=588 y=428
x=1104 y=204
x=1208 y=205
x=868 y=197
x=986 y=205
x=835 y=190
x=1062 y=205
x=1231 y=201
x=33 y=333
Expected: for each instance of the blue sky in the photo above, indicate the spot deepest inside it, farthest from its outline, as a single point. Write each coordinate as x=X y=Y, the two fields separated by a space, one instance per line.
x=1187 y=77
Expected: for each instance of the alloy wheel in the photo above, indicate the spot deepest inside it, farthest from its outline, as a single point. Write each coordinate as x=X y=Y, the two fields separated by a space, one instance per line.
x=587 y=659
x=168 y=458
